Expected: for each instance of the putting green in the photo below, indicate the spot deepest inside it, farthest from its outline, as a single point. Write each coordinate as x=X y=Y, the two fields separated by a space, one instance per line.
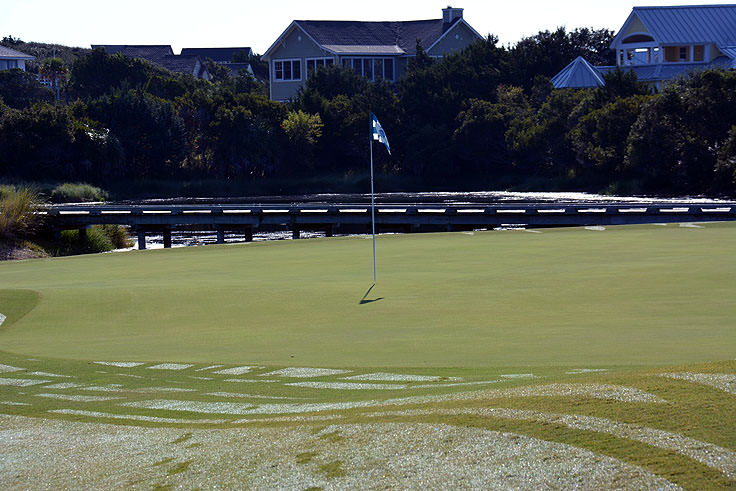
x=641 y=295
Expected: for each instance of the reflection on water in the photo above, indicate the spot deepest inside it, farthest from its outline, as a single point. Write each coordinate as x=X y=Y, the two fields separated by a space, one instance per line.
x=193 y=238
x=487 y=197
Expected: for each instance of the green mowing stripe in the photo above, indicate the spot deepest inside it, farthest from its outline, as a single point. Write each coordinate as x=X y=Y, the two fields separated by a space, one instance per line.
x=14 y=304
x=674 y=467
x=640 y=295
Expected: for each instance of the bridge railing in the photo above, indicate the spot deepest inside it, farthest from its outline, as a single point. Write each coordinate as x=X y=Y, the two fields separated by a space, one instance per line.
x=414 y=217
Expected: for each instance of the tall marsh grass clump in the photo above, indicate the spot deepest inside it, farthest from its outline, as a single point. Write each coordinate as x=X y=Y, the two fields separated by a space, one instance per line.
x=78 y=192
x=18 y=213
x=97 y=238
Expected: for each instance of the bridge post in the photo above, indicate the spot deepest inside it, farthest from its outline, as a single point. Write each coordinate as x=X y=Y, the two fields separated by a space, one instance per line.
x=249 y=234
x=141 y=239
x=167 y=237
x=330 y=230
x=295 y=232
x=82 y=238
x=220 y=234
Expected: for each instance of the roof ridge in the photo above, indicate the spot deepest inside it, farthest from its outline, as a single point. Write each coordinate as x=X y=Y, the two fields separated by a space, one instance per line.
x=370 y=21
x=665 y=7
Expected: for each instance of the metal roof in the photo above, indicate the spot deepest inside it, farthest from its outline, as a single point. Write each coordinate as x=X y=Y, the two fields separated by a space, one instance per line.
x=694 y=24
x=667 y=71
x=578 y=75
x=12 y=54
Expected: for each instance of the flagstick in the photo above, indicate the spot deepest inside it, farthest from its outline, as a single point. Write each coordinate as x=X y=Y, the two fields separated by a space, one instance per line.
x=373 y=203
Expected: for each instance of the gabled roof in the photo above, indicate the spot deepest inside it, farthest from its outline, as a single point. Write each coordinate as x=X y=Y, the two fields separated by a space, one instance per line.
x=12 y=54
x=578 y=75
x=222 y=55
x=686 y=24
x=180 y=64
x=160 y=54
x=356 y=37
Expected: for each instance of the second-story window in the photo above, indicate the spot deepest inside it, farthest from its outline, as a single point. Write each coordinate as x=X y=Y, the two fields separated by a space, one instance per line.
x=314 y=64
x=287 y=70
x=372 y=68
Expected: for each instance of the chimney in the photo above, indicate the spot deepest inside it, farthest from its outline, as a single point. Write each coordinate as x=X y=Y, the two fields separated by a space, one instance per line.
x=449 y=15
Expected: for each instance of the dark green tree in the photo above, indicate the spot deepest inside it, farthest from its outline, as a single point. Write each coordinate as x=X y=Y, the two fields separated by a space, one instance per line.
x=20 y=89
x=548 y=52
x=150 y=131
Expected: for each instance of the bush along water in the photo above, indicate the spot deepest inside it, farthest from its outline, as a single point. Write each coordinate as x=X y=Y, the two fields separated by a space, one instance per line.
x=97 y=238
x=18 y=219
x=78 y=192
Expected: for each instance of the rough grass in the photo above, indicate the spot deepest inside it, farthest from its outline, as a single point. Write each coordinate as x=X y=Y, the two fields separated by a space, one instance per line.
x=687 y=410
x=17 y=212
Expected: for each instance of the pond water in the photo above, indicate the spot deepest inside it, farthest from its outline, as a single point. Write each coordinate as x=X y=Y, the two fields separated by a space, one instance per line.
x=487 y=197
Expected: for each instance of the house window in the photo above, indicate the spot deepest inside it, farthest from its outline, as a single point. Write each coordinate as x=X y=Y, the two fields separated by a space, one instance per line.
x=372 y=68
x=287 y=70
x=699 y=53
x=675 y=54
x=313 y=64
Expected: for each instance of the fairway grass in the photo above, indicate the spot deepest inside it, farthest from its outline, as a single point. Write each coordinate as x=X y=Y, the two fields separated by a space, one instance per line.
x=570 y=358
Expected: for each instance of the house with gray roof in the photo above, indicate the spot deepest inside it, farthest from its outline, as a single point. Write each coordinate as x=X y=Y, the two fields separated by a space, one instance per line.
x=225 y=57
x=661 y=43
x=375 y=50
x=162 y=55
x=11 y=58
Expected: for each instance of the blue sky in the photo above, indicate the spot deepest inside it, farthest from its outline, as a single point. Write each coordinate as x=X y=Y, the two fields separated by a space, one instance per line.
x=222 y=23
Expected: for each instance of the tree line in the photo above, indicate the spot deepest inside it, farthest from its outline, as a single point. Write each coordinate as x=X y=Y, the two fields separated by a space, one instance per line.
x=487 y=117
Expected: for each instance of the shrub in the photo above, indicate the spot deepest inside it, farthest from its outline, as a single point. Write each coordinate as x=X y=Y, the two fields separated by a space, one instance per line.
x=77 y=192
x=98 y=238
x=118 y=235
x=18 y=217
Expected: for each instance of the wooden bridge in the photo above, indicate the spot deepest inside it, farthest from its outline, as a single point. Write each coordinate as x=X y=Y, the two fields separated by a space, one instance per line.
x=356 y=218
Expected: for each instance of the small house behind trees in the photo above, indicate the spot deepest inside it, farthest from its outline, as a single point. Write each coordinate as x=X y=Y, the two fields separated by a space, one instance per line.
x=662 y=43
x=11 y=58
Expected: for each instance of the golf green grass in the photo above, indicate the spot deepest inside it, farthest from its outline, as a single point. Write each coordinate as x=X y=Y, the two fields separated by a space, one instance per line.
x=635 y=295
x=620 y=342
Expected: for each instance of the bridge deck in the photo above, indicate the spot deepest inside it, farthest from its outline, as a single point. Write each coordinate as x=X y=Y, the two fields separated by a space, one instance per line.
x=357 y=217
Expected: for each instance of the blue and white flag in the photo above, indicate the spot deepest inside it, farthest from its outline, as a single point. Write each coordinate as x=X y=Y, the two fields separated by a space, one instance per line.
x=378 y=133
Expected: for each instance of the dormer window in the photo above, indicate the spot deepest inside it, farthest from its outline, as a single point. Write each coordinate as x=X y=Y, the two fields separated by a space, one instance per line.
x=639 y=49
